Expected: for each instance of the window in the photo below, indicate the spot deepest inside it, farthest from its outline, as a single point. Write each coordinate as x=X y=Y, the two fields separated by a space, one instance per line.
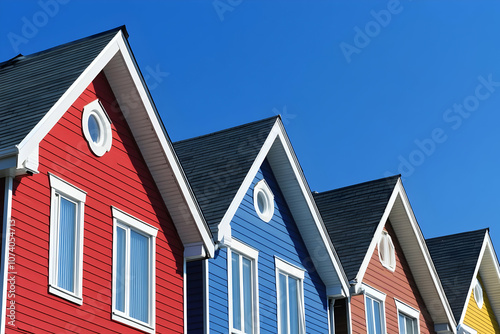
x=290 y=296
x=478 y=293
x=66 y=240
x=386 y=251
x=374 y=308
x=96 y=127
x=243 y=288
x=133 y=271
x=407 y=318
x=263 y=201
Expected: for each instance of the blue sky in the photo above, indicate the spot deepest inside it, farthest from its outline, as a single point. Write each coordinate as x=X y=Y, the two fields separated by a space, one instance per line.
x=365 y=88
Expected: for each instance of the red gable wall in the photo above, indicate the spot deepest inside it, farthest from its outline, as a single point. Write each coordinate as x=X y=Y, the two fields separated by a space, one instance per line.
x=119 y=178
x=398 y=284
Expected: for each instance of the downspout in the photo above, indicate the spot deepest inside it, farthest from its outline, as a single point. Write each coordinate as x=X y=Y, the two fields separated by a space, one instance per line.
x=7 y=211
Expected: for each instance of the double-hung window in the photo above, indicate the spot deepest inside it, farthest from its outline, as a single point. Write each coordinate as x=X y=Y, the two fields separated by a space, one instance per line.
x=290 y=294
x=133 y=271
x=374 y=309
x=66 y=240
x=407 y=318
x=243 y=287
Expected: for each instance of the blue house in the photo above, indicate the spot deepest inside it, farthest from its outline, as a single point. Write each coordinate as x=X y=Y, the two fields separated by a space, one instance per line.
x=275 y=269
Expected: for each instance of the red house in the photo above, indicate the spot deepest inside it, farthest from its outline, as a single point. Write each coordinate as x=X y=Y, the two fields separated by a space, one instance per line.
x=394 y=284
x=98 y=218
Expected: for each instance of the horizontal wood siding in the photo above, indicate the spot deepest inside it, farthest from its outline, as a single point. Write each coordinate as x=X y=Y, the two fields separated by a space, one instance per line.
x=279 y=237
x=194 y=281
x=482 y=320
x=217 y=289
x=120 y=178
x=399 y=284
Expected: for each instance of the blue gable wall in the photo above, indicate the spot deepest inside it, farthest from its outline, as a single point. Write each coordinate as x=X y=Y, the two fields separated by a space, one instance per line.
x=279 y=237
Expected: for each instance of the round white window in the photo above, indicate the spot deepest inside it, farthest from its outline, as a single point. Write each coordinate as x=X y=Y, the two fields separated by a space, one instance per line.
x=263 y=201
x=97 y=128
x=478 y=294
x=386 y=251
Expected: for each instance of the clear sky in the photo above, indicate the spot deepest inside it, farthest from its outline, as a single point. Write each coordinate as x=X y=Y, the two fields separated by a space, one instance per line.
x=365 y=88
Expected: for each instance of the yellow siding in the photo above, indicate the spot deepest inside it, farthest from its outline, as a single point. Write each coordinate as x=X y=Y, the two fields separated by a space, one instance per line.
x=482 y=320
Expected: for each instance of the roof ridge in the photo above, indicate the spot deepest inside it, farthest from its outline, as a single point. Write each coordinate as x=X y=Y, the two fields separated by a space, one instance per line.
x=227 y=130
x=356 y=185
x=458 y=234
x=60 y=46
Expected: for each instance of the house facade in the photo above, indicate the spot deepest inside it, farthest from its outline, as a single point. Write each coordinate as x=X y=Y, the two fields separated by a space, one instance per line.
x=274 y=270
x=469 y=270
x=95 y=233
x=394 y=287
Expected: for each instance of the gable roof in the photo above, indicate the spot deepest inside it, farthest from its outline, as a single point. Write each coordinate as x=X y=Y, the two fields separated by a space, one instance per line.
x=217 y=163
x=458 y=259
x=352 y=215
x=38 y=89
x=221 y=166
x=32 y=84
x=359 y=213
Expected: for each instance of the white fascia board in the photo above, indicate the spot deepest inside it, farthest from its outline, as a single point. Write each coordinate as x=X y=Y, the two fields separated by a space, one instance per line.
x=376 y=235
x=35 y=136
x=278 y=133
x=172 y=159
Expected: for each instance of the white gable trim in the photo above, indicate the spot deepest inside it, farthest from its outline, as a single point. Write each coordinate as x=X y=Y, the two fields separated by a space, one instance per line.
x=400 y=194
x=119 y=46
x=277 y=133
x=492 y=268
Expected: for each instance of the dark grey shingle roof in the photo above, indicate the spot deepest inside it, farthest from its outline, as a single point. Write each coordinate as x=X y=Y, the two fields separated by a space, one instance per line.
x=351 y=216
x=31 y=85
x=455 y=258
x=216 y=164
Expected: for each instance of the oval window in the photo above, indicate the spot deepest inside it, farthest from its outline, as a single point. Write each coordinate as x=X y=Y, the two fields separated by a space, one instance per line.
x=96 y=127
x=386 y=251
x=263 y=200
x=478 y=294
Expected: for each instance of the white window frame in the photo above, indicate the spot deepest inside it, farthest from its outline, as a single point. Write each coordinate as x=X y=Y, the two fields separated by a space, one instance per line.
x=124 y=220
x=96 y=109
x=408 y=311
x=253 y=255
x=262 y=188
x=289 y=269
x=61 y=188
x=378 y=296
x=389 y=263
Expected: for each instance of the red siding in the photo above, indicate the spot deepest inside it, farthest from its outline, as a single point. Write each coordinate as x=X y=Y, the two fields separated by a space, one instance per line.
x=119 y=178
x=398 y=284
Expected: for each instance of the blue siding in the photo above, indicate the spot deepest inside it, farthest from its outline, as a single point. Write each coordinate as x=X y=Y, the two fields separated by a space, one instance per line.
x=279 y=237
x=194 y=273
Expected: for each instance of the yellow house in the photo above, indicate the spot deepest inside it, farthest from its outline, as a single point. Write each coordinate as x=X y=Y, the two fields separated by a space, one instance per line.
x=470 y=274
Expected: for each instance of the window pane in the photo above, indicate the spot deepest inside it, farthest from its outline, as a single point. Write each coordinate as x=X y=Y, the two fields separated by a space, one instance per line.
x=369 y=314
x=235 y=264
x=67 y=240
x=401 y=324
x=293 y=305
x=139 y=277
x=282 y=299
x=376 y=316
x=120 y=269
x=410 y=325
x=247 y=294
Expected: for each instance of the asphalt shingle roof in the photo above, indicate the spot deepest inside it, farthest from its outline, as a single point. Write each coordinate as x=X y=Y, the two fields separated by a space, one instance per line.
x=351 y=216
x=216 y=164
x=455 y=258
x=31 y=85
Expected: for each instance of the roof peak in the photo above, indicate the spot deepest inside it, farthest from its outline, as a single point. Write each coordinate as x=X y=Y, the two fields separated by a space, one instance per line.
x=449 y=236
x=228 y=129
x=387 y=179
